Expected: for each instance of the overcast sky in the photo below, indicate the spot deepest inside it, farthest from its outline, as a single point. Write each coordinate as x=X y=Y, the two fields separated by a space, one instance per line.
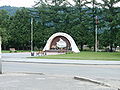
x=17 y=3
x=23 y=3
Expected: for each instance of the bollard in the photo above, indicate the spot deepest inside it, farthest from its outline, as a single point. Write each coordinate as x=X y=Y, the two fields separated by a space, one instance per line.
x=0 y=57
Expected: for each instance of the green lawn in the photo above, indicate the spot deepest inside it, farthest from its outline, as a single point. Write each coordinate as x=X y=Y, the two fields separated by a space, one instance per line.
x=86 y=56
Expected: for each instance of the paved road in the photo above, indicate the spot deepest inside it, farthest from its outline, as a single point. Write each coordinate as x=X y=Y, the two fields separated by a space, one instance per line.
x=106 y=71
x=109 y=74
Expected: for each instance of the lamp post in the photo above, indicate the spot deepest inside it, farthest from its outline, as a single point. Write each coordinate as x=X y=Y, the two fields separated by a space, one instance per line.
x=32 y=53
x=0 y=57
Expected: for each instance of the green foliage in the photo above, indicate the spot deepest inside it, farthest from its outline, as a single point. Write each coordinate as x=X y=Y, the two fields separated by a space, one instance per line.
x=118 y=38
x=19 y=29
x=4 y=35
x=3 y=18
x=111 y=18
x=3 y=27
x=60 y=16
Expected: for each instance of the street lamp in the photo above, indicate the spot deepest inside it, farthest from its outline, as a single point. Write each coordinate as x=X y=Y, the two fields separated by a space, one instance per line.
x=32 y=53
x=0 y=57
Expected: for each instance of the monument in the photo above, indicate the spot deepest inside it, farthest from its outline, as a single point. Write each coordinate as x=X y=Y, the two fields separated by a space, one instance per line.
x=61 y=42
x=0 y=57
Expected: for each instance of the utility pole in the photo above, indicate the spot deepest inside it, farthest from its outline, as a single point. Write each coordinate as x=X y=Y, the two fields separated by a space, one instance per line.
x=32 y=53
x=95 y=27
x=93 y=11
x=96 y=36
x=0 y=57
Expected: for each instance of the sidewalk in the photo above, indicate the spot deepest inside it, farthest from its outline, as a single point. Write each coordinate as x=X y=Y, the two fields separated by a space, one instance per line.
x=22 y=57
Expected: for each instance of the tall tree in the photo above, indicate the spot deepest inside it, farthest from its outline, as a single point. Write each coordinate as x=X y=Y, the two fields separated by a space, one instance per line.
x=20 y=29
x=5 y=36
x=81 y=18
x=111 y=18
x=4 y=17
x=4 y=24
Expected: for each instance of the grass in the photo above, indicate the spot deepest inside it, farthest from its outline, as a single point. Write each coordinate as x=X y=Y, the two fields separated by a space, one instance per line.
x=111 y=56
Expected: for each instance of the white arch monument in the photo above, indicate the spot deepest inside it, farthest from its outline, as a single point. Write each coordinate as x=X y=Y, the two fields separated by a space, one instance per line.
x=68 y=37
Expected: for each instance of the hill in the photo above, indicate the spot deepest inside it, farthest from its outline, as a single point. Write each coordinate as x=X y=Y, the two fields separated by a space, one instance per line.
x=11 y=10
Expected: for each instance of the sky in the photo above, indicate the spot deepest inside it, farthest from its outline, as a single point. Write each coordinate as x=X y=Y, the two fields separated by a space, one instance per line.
x=24 y=3
x=17 y=3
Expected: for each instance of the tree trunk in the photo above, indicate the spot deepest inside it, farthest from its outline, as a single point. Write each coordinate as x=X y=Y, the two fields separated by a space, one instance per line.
x=81 y=47
x=111 y=46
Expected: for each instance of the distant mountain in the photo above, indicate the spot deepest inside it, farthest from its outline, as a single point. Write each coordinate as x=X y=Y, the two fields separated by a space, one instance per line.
x=11 y=10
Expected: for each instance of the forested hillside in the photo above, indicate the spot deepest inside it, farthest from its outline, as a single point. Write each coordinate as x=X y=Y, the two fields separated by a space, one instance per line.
x=9 y=9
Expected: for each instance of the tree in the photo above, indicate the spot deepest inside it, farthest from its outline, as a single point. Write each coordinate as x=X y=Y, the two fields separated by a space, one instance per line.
x=4 y=24
x=19 y=29
x=4 y=17
x=111 y=19
x=5 y=36
x=83 y=20
x=65 y=18
x=118 y=38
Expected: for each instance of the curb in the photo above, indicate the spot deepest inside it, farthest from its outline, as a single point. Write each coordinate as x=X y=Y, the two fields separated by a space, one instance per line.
x=56 y=63
x=94 y=81
x=90 y=80
x=31 y=73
